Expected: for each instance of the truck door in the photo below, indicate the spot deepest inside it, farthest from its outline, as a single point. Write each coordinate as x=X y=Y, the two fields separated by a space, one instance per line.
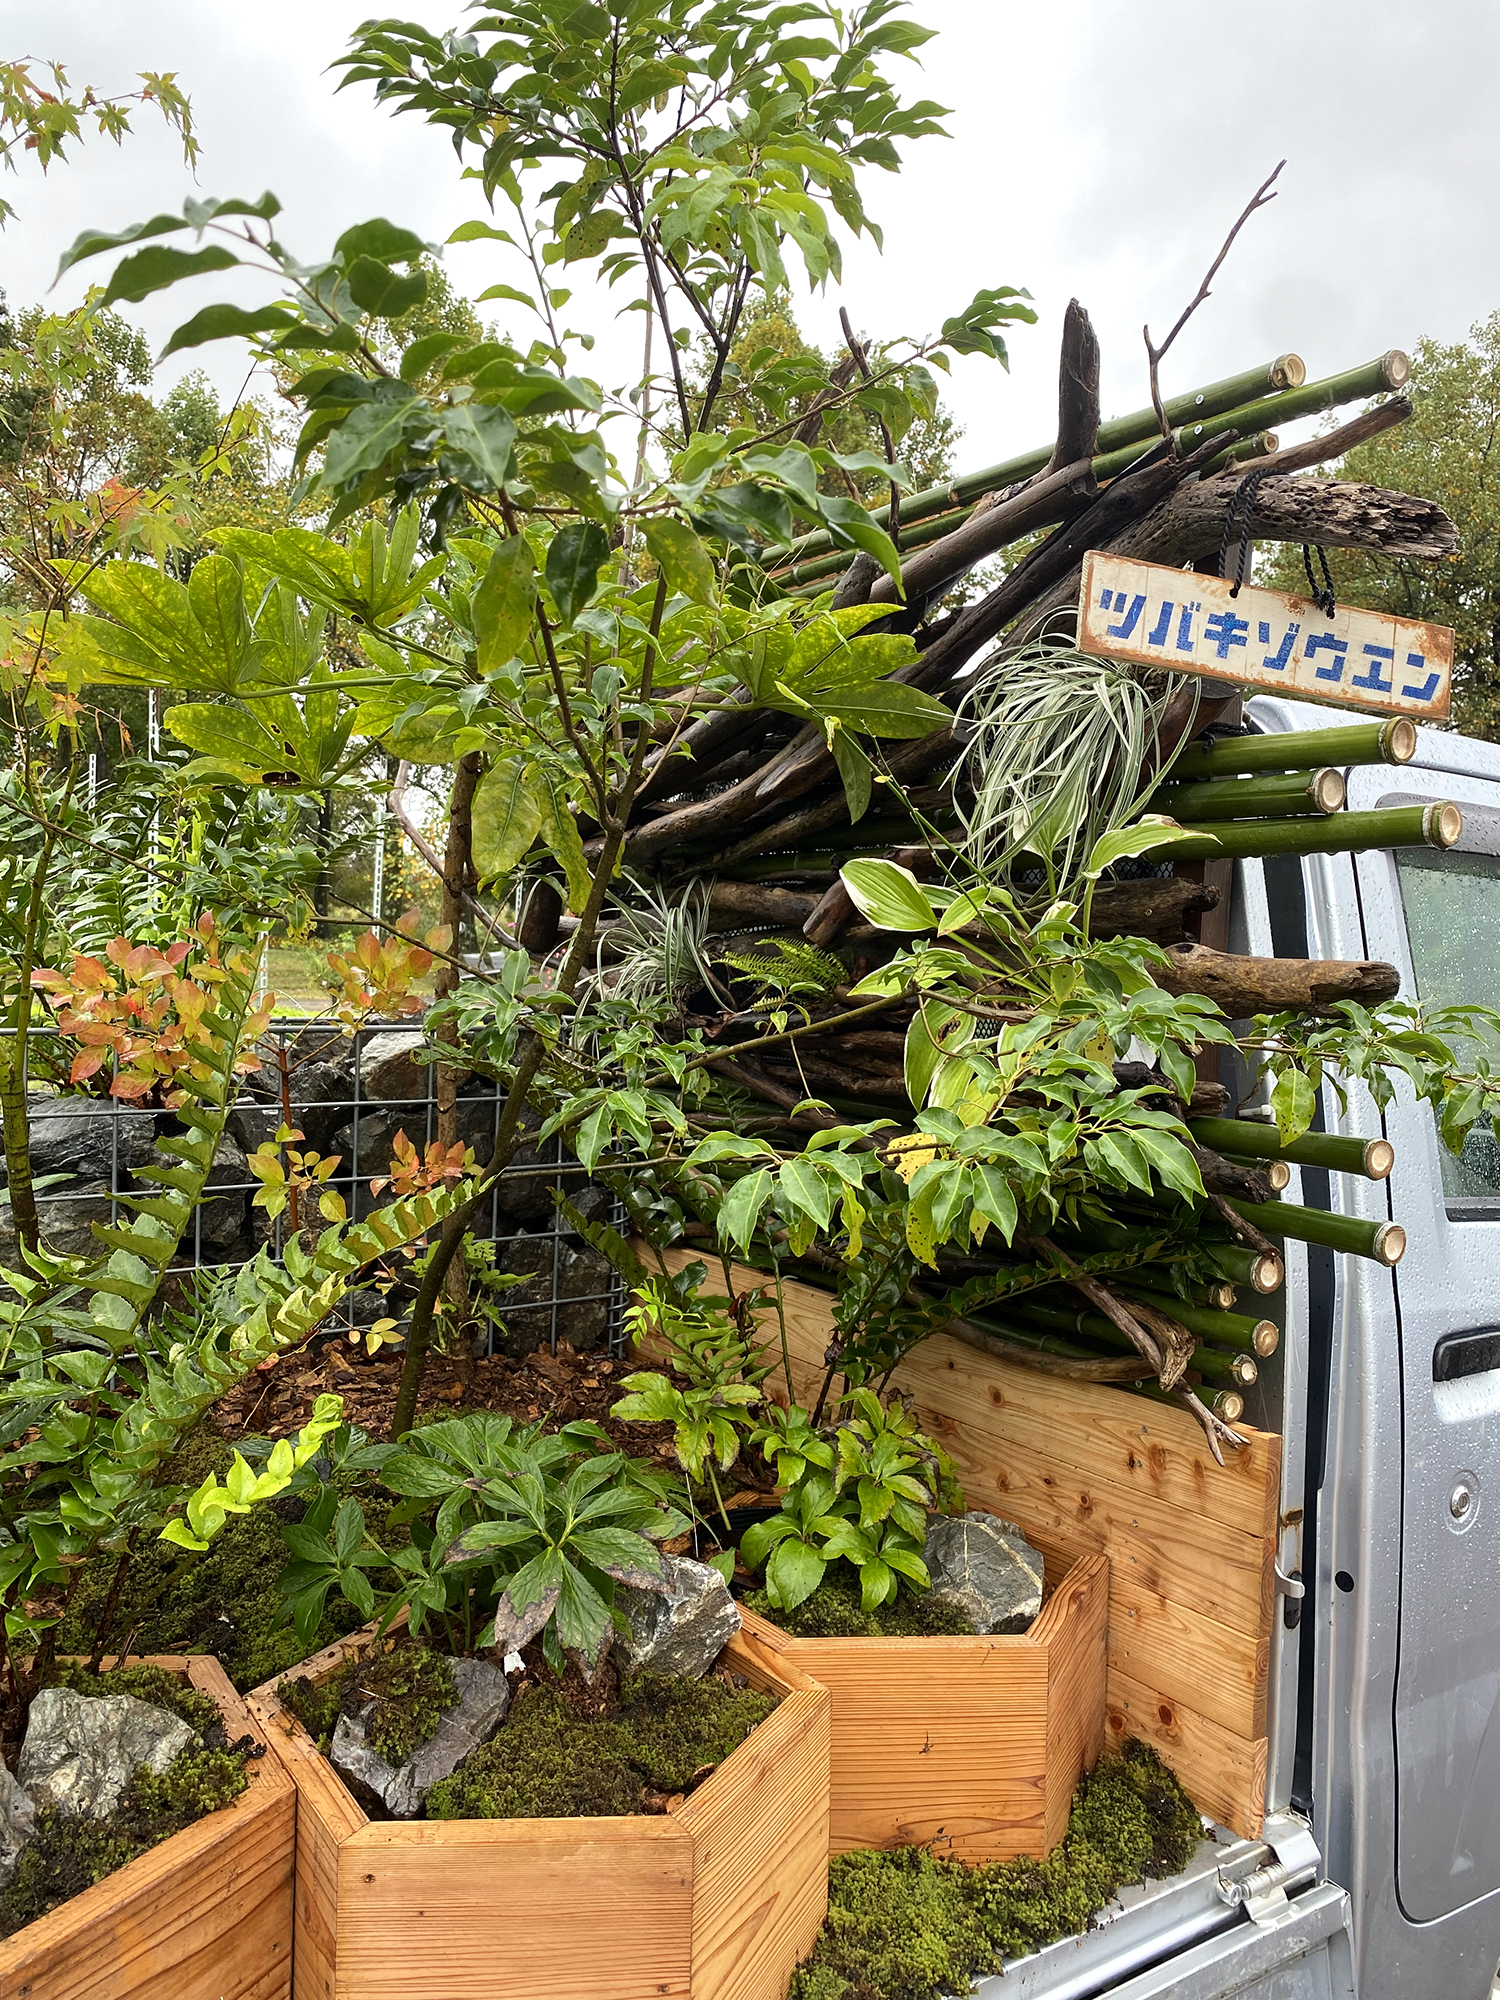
x=1437 y=915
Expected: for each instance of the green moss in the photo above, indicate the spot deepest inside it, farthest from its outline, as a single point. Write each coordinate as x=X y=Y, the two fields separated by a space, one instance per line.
x=413 y=1687
x=906 y=1925
x=551 y=1762
x=223 y=1602
x=154 y=1684
x=836 y=1611
x=413 y=1690
x=69 y=1853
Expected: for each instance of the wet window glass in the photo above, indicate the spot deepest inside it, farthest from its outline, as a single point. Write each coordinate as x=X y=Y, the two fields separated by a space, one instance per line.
x=1452 y=903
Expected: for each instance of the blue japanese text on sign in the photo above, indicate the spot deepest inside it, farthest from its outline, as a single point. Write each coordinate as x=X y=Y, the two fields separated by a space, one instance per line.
x=1263 y=638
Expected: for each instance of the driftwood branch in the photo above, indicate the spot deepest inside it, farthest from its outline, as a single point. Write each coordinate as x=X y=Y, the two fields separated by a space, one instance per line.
x=1338 y=514
x=1155 y=355
x=1077 y=389
x=1244 y=986
x=1065 y=1365
x=988 y=529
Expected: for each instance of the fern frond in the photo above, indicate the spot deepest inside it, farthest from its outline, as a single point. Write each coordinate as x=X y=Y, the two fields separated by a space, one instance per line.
x=786 y=966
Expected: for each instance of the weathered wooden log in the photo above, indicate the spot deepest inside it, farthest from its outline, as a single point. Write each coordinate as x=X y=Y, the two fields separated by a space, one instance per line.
x=1243 y=986
x=733 y=905
x=1129 y=499
x=1229 y=1177
x=833 y=915
x=1077 y=389
x=541 y=919
x=1337 y=513
x=1154 y=908
x=987 y=529
x=1161 y=536
x=904 y=761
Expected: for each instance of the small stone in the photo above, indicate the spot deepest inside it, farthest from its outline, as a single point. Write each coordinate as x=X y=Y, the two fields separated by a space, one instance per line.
x=17 y=1823
x=389 y=1070
x=483 y=1698
x=684 y=1631
x=987 y=1568
x=82 y=1750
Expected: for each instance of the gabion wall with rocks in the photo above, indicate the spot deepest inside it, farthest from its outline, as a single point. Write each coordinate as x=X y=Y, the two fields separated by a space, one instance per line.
x=351 y=1094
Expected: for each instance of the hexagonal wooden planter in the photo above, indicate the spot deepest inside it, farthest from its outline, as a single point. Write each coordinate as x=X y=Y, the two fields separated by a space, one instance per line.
x=207 y=1915
x=716 y=1901
x=974 y=1744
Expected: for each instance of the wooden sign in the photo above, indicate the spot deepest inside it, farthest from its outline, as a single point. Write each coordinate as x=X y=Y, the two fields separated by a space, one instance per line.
x=1194 y=624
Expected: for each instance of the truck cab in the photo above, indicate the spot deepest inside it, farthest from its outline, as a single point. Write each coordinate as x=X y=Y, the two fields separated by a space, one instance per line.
x=1377 y=1876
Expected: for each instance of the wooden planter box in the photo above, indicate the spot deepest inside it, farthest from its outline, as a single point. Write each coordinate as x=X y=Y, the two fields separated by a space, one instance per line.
x=207 y=1915
x=973 y=1745
x=716 y=1901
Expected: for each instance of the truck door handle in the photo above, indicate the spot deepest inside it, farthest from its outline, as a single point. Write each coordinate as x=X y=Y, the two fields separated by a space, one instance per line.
x=1459 y=1354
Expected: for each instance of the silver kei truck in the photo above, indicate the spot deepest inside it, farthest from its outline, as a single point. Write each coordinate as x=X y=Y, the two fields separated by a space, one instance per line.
x=1377 y=1873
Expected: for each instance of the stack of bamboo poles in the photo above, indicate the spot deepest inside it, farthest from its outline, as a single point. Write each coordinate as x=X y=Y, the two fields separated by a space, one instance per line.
x=742 y=820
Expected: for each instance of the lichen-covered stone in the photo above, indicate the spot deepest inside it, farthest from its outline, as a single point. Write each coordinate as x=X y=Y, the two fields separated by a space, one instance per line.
x=986 y=1567
x=483 y=1698
x=81 y=1751
x=17 y=1823
x=683 y=1630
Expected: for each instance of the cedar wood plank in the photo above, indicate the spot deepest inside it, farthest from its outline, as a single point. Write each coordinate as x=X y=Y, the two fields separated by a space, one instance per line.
x=1145 y=1467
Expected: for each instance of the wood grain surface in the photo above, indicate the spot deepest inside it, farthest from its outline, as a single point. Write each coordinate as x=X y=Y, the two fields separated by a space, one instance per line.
x=716 y=1901
x=207 y=1915
x=1085 y=1469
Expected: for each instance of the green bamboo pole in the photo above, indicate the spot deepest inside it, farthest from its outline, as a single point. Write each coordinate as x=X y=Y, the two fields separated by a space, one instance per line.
x=1340 y=833
x=1258 y=444
x=1392 y=742
x=1215 y=1364
x=1227 y=1404
x=1262 y=1271
x=807 y=577
x=1225 y=1329
x=1249 y=1139
x=1288 y=795
x=1384 y=1242
x=1287 y=374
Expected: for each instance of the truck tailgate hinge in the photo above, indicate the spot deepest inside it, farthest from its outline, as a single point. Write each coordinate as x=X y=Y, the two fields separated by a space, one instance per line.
x=1295 y=1862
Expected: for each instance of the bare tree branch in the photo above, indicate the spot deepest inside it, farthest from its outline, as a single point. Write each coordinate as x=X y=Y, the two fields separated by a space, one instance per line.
x=1154 y=355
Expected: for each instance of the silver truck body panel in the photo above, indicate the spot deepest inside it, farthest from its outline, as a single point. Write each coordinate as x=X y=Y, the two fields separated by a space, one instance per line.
x=1383 y=1779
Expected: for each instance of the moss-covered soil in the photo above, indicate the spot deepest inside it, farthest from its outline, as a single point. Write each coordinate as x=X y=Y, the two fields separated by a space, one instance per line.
x=907 y=1925
x=835 y=1611
x=68 y=1853
x=552 y=1760
x=412 y=1688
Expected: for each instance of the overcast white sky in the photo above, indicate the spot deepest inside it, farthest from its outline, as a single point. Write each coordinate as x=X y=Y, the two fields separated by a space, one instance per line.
x=1100 y=148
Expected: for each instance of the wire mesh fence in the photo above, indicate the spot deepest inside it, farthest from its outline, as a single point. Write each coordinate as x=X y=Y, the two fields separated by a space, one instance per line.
x=350 y=1095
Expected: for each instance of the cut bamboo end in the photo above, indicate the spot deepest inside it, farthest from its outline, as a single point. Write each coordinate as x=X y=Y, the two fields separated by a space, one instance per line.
x=1269 y=1274
x=1288 y=371
x=1267 y=1338
x=1398 y=739
x=1222 y=1297
x=1395 y=368
x=1328 y=791
x=1380 y=1157
x=1278 y=1173
x=1389 y=1244
x=1228 y=1405
x=1442 y=825
x=1244 y=1371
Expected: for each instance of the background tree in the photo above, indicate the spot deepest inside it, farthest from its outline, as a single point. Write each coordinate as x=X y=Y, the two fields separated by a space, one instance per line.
x=1449 y=448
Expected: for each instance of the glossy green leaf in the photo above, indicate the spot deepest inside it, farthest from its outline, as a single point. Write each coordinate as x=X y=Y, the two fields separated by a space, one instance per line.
x=503 y=606
x=887 y=895
x=682 y=558
x=509 y=807
x=152 y=270
x=575 y=556
x=376 y=289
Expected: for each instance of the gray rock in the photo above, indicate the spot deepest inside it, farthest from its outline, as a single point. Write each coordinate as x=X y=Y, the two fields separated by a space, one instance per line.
x=684 y=1631
x=389 y=1071
x=322 y=1095
x=66 y=1216
x=987 y=1568
x=82 y=1750
x=17 y=1823
x=221 y=1217
x=582 y=1291
x=89 y=1137
x=402 y=1789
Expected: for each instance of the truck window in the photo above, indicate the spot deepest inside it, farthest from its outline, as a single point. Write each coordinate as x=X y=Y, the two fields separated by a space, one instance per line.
x=1452 y=905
